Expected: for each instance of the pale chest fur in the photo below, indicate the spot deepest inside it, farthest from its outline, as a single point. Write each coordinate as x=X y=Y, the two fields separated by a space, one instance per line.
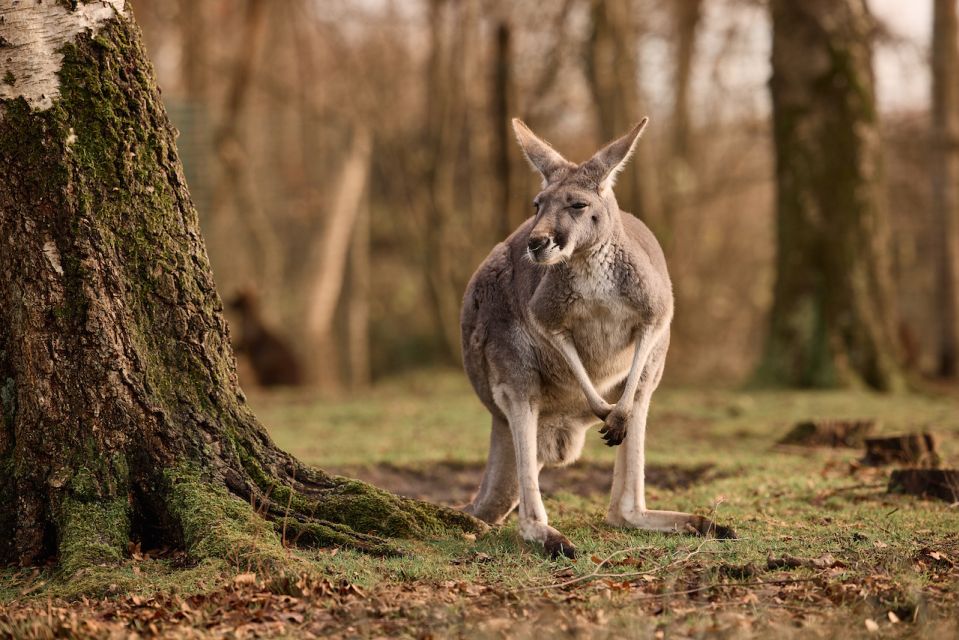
x=600 y=320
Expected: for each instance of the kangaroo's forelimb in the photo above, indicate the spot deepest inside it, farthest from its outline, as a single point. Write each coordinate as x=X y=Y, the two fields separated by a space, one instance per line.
x=614 y=424
x=565 y=346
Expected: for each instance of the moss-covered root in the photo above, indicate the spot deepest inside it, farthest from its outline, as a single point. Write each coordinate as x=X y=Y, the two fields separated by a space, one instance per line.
x=365 y=508
x=357 y=505
x=218 y=524
x=320 y=533
x=92 y=533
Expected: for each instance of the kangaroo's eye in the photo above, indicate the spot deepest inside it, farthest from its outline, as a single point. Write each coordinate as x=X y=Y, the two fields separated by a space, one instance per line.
x=578 y=205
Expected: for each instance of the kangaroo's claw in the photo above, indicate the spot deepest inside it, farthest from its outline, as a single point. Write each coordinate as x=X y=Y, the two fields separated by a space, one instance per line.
x=614 y=429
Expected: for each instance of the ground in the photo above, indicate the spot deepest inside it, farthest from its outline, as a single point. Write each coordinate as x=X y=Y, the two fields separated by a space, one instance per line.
x=823 y=548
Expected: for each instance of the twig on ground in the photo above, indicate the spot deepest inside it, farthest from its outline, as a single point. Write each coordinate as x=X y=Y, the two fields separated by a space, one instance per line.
x=632 y=574
x=721 y=585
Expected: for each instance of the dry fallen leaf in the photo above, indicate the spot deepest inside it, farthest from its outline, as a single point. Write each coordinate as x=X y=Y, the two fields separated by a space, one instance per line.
x=893 y=618
x=245 y=578
x=871 y=625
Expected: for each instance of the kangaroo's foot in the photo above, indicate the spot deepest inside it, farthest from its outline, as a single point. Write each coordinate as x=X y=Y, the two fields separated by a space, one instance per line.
x=614 y=428
x=670 y=521
x=554 y=543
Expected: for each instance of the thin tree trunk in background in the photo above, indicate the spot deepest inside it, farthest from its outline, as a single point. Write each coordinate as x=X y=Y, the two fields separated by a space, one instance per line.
x=680 y=173
x=445 y=120
x=194 y=36
x=945 y=179
x=236 y=182
x=120 y=414
x=358 y=300
x=329 y=258
x=687 y=14
x=503 y=108
x=832 y=321
x=612 y=68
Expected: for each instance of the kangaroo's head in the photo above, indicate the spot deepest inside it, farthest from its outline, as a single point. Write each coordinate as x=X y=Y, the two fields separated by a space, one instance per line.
x=576 y=209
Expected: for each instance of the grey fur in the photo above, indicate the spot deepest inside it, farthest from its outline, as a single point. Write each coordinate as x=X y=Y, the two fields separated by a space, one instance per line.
x=570 y=285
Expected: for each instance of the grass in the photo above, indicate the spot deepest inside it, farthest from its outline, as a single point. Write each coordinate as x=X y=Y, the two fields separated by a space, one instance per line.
x=879 y=553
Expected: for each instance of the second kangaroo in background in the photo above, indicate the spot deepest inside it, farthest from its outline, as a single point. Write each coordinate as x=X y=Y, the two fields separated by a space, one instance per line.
x=567 y=321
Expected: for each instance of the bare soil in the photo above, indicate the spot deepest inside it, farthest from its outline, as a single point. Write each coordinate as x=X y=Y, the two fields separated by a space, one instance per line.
x=453 y=483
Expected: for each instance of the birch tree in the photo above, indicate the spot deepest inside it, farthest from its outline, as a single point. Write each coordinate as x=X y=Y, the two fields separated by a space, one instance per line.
x=121 y=416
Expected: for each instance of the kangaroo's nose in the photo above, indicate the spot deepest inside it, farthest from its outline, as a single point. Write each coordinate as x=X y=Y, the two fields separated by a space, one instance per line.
x=537 y=243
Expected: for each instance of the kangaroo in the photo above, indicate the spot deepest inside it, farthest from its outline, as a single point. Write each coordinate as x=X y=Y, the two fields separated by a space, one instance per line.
x=567 y=321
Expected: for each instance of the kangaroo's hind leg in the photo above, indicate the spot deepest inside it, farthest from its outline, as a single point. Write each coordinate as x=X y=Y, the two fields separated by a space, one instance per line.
x=627 y=506
x=523 y=416
x=498 y=494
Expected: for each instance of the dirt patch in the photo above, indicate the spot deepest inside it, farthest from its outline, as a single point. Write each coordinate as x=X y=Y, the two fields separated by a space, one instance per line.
x=454 y=483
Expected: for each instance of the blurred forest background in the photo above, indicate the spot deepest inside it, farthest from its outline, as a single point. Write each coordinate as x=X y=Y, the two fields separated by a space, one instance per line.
x=352 y=161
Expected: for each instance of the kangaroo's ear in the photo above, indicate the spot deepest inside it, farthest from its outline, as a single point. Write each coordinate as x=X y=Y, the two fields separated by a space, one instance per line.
x=610 y=160
x=543 y=157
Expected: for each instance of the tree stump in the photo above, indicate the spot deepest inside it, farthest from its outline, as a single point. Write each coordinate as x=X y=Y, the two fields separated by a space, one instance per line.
x=927 y=483
x=914 y=449
x=829 y=433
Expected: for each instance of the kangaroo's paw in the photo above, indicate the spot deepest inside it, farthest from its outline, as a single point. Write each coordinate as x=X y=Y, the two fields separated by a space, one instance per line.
x=614 y=428
x=554 y=543
x=558 y=546
x=669 y=521
x=702 y=526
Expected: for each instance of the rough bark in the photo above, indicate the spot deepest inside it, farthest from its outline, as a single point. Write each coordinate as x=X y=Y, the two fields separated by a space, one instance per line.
x=831 y=323
x=121 y=414
x=945 y=179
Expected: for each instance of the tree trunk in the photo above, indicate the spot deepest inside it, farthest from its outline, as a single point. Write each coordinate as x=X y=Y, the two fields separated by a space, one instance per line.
x=195 y=62
x=945 y=179
x=236 y=183
x=686 y=18
x=613 y=70
x=121 y=414
x=358 y=301
x=680 y=174
x=329 y=258
x=832 y=322
x=502 y=95
x=446 y=119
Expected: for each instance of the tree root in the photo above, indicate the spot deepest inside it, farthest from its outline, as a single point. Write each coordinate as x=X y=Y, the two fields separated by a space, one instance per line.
x=92 y=533
x=322 y=533
x=254 y=522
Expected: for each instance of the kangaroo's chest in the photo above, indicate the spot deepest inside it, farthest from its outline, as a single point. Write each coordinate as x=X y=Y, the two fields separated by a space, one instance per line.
x=600 y=320
x=602 y=329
